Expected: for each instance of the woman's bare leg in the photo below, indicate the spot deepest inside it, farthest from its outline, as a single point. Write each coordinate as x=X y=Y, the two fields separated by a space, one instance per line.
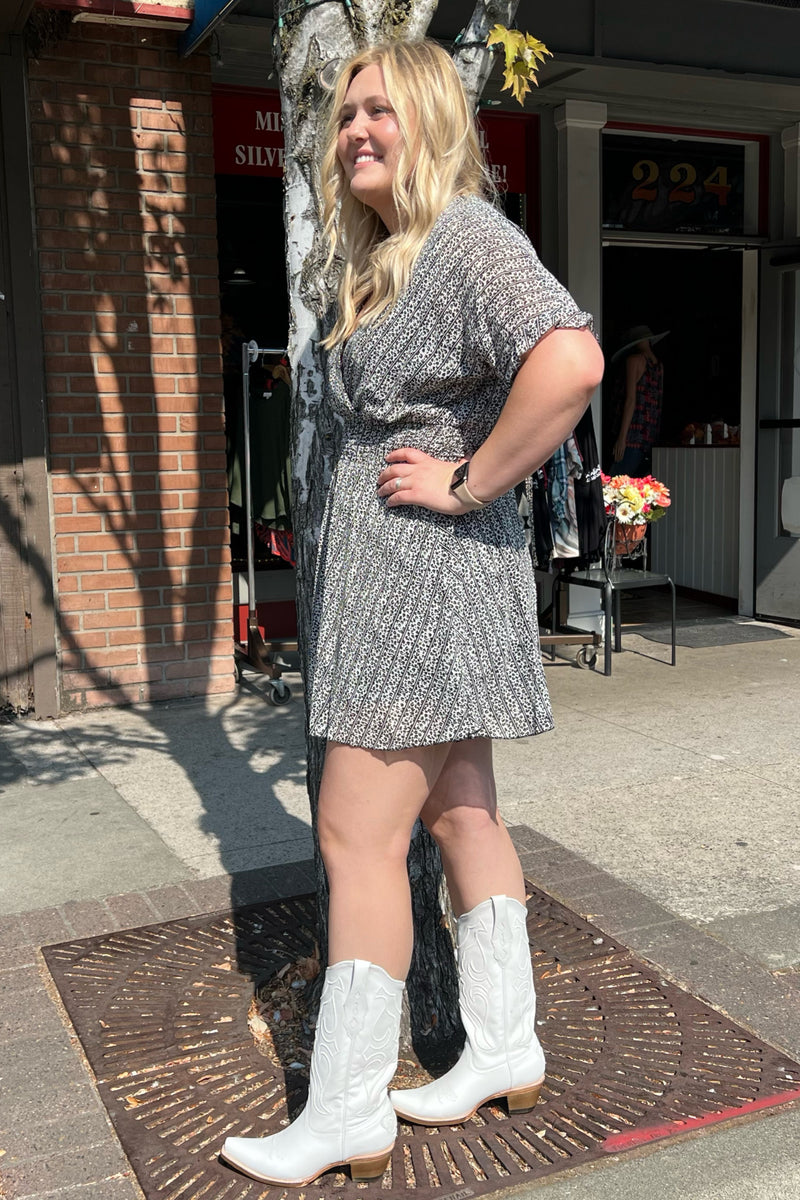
x=461 y=814
x=369 y=801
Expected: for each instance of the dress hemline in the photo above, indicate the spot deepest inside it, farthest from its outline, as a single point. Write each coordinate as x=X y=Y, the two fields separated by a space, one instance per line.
x=437 y=741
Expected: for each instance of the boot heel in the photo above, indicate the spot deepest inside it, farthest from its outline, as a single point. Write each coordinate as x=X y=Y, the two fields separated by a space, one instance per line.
x=524 y=1099
x=369 y=1168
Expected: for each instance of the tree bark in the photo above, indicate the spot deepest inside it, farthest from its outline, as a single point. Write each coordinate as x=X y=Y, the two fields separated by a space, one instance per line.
x=473 y=58
x=306 y=38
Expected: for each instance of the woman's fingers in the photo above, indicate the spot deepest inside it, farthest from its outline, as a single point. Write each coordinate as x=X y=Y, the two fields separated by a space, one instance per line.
x=406 y=454
x=394 y=481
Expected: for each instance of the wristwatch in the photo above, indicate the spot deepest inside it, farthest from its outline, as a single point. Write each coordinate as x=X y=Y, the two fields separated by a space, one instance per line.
x=460 y=489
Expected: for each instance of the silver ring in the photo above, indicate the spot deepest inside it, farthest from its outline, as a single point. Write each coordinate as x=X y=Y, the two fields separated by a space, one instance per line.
x=398 y=483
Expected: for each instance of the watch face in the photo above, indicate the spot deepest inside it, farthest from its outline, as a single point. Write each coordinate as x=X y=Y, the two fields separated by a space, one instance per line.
x=459 y=475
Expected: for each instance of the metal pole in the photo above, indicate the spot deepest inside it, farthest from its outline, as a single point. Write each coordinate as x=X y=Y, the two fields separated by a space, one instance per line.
x=249 y=355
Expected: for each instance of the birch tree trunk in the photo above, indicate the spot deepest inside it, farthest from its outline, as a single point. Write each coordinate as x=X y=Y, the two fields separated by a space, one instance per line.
x=307 y=38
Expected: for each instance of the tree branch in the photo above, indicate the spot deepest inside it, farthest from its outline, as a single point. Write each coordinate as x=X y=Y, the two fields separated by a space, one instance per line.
x=473 y=59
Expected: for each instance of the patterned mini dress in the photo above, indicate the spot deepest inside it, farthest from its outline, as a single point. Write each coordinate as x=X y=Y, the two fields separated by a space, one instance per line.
x=424 y=626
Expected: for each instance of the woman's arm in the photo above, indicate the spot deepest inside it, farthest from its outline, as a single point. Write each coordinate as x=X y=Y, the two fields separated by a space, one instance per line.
x=551 y=390
x=634 y=370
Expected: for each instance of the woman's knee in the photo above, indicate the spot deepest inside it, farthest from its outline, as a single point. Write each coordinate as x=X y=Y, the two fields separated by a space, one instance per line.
x=345 y=844
x=449 y=824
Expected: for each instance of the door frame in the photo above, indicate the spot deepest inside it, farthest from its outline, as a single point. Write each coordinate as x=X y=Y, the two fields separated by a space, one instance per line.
x=776 y=261
x=29 y=538
x=750 y=249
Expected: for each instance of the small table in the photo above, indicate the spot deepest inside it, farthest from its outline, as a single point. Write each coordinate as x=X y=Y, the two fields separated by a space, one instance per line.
x=612 y=584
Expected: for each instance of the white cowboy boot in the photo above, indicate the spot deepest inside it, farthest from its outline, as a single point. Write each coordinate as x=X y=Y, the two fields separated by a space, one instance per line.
x=502 y=1055
x=348 y=1118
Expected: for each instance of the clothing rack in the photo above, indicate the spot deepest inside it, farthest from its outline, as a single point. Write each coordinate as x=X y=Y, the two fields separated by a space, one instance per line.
x=261 y=654
x=590 y=522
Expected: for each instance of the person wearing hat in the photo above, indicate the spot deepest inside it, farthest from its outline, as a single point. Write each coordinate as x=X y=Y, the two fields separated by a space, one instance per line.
x=640 y=392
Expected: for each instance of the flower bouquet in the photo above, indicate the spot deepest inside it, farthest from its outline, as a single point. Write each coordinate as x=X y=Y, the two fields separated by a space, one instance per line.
x=634 y=504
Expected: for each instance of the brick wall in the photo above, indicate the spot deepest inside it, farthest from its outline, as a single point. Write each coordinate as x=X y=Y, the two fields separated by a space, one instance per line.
x=124 y=192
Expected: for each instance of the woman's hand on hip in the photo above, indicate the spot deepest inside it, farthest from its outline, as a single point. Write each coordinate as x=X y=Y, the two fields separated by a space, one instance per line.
x=413 y=477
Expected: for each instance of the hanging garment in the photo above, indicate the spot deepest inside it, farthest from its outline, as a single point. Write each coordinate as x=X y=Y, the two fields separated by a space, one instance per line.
x=279 y=542
x=541 y=530
x=589 y=504
x=562 y=470
x=269 y=455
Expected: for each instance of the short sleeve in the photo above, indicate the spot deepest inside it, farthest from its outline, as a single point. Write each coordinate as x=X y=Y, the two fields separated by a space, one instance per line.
x=512 y=301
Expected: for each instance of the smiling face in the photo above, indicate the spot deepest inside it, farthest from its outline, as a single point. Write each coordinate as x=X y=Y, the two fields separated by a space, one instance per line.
x=369 y=143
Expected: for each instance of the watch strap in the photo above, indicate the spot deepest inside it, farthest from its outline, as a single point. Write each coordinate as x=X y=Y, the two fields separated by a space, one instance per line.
x=461 y=490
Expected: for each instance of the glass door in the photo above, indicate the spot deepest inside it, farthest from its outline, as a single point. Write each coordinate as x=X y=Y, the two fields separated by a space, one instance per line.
x=777 y=582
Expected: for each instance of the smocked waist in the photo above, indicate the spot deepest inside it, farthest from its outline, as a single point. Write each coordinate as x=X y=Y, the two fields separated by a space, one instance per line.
x=361 y=437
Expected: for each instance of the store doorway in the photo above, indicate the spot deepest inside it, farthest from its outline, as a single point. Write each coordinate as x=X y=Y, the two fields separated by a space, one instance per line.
x=694 y=296
x=254 y=307
x=697 y=296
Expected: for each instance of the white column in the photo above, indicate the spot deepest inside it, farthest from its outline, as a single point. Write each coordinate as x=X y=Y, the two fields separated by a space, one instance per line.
x=748 y=432
x=790 y=140
x=579 y=124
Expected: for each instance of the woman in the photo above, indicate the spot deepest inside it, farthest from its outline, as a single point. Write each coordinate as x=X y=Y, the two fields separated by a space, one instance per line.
x=452 y=387
x=640 y=391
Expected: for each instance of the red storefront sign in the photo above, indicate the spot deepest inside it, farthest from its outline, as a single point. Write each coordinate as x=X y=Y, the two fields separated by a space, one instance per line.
x=248 y=139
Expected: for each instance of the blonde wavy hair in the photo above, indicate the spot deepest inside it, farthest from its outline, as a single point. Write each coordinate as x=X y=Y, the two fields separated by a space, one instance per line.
x=440 y=157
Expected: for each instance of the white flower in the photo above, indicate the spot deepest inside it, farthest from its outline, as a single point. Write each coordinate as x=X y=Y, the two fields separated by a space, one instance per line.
x=626 y=513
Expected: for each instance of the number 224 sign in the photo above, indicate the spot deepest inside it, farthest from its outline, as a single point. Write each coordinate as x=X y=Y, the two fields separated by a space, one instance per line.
x=665 y=186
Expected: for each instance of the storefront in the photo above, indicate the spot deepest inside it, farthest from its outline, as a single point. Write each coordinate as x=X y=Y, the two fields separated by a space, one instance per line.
x=657 y=169
x=690 y=227
x=682 y=210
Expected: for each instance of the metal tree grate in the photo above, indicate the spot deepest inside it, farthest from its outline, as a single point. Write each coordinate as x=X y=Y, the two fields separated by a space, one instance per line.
x=162 y=1015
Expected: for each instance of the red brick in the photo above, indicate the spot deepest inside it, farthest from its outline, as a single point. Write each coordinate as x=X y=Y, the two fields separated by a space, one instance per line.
x=155 y=462
x=82 y=524
x=81 y=562
x=105 y=541
x=76 y=680
x=72 y=445
x=87 y=640
x=186 y=670
x=159 y=424
x=170 y=653
x=177 y=442
x=139 y=674
x=134 y=637
x=130 y=522
x=109 y=620
x=86 y=504
x=173 y=690
x=92 y=260
x=70 y=484
x=93 y=698
x=113 y=658
x=137 y=560
x=108 y=580
x=158 y=541
x=118 y=75
x=137 y=598
x=81 y=603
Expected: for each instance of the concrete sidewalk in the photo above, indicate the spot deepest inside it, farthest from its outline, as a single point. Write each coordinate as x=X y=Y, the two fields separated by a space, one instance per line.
x=665 y=807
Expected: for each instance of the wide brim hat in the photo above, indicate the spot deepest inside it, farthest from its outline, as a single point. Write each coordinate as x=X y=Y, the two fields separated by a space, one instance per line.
x=632 y=337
